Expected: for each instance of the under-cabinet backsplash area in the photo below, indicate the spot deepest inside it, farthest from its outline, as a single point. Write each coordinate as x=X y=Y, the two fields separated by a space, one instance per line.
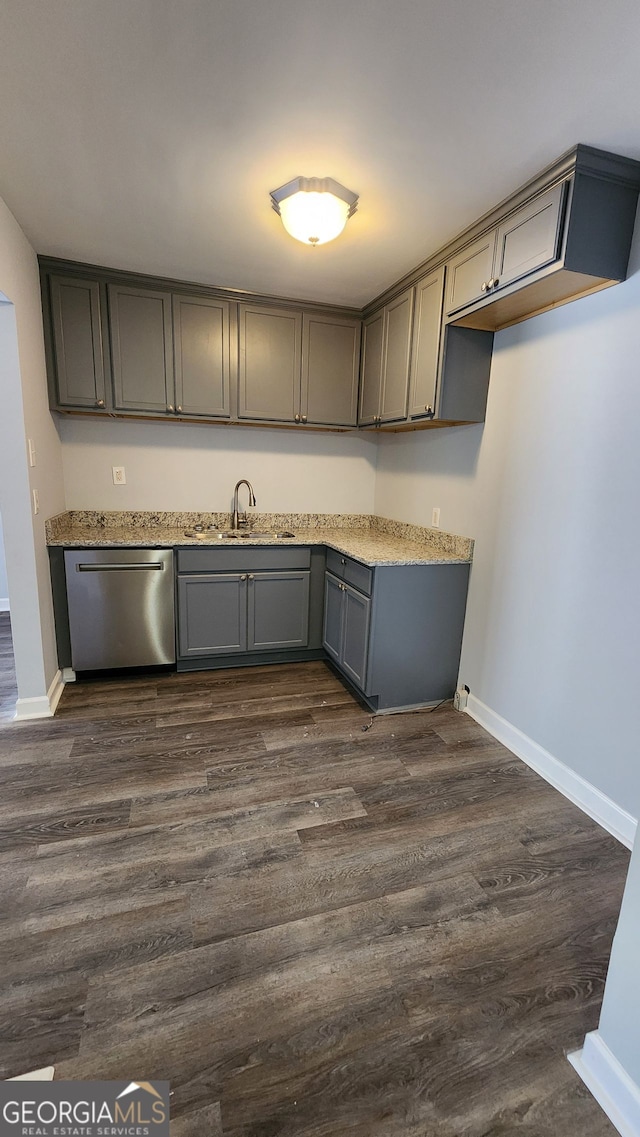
x=184 y=468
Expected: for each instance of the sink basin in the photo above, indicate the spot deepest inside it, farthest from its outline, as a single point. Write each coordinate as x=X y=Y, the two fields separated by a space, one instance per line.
x=235 y=534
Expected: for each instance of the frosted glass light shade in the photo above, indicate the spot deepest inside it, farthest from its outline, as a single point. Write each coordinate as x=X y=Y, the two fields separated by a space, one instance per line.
x=314 y=210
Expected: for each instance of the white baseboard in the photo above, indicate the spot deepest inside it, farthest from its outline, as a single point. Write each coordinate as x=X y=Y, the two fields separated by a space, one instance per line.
x=4 y=604
x=592 y=801
x=55 y=690
x=609 y=1083
x=42 y=706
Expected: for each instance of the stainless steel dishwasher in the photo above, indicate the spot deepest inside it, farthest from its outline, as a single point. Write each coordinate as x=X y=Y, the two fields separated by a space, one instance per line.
x=121 y=607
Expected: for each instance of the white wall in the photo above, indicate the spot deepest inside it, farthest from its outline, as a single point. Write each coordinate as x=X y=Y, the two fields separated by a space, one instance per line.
x=4 y=585
x=549 y=489
x=25 y=413
x=188 y=467
x=620 y=1017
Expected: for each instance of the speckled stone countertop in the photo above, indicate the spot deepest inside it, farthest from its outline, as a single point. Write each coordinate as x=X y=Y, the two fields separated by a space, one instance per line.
x=372 y=540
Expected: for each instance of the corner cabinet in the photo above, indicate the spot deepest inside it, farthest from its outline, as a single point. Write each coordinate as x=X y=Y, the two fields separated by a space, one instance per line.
x=395 y=631
x=385 y=363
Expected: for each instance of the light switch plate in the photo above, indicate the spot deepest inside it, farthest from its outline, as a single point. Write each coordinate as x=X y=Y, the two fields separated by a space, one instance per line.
x=119 y=476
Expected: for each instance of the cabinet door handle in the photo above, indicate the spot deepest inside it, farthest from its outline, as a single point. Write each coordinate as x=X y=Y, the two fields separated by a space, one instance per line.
x=296 y=418
x=303 y=418
x=485 y=286
x=496 y=281
x=244 y=576
x=170 y=407
x=251 y=576
x=429 y=409
x=100 y=402
x=178 y=410
x=342 y=561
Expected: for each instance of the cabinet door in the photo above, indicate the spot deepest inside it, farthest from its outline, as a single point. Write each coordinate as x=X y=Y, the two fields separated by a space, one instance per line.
x=372 y=362
x=201 y=349
x=530 y=238
x=77 y=339
x=355 y=639
x=270 y=363
x=212 y=614
x=333 y=612
x=468 y=271
x=397 y=353
x=330 y=367
x=141 y=349
x=278 y=610
x=425 y=353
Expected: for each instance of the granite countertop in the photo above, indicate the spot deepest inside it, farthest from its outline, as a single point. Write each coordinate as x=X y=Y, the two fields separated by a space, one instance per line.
x=371 y=540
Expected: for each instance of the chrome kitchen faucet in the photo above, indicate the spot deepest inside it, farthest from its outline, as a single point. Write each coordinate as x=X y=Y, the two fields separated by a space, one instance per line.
x=241 y=521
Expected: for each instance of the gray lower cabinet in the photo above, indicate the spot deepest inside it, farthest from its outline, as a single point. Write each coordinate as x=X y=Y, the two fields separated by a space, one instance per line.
x=226 y=613
x=212 y=614
x=397 y=634
x=248 y=604
x=77 y=342
x=385 y=362
x=346 y=628
x=278 y=610
x=141 y=349
x=201 y=352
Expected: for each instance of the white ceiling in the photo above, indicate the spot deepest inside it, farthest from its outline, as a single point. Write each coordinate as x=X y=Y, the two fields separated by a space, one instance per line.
x=146 y=134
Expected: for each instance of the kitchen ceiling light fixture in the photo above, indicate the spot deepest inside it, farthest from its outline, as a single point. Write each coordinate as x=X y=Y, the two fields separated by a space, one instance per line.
x=314 y=210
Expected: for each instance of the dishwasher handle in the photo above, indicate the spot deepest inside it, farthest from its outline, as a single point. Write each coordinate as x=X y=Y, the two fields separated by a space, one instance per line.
x=134 y=565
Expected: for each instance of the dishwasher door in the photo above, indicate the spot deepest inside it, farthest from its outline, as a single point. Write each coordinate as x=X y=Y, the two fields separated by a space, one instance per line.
x=121 y=607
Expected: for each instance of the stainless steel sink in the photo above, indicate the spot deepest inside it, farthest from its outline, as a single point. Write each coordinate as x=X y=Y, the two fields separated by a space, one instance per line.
x=239 y=535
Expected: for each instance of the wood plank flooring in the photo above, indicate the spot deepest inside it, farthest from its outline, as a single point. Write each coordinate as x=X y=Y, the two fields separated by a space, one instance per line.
x=312 y=924
x=8 y=688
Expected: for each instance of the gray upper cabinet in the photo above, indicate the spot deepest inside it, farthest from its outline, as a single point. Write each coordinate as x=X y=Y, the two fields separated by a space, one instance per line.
x=372 y=364
x=425 y=352
x=77 y=340
x=201 y=350
x=397 y=352
x=529 y=239
x=141 y=349
x=469 y=272
x=385 y=362
x=330 y=369
x=524 y=242
x=270 y=363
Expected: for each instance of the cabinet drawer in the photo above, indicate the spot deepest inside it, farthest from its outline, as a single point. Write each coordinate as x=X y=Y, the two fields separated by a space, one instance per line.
x=352 y=571
x=242 y=559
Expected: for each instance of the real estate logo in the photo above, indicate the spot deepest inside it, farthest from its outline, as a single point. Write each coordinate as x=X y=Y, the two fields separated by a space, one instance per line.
x=84 y=1109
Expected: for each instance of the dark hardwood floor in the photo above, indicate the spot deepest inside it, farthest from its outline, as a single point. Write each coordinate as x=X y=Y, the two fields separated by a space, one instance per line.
x=8 y=689
x=312 y=924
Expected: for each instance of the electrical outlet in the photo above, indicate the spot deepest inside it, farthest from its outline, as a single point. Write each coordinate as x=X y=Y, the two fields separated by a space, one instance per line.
x=36 y=503
x=435 y=516
x=119 y=476
x=460 y=699
x=32 y=451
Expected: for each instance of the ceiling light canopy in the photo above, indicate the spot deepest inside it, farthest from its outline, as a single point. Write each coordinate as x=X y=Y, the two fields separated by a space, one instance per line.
x=314 y=210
